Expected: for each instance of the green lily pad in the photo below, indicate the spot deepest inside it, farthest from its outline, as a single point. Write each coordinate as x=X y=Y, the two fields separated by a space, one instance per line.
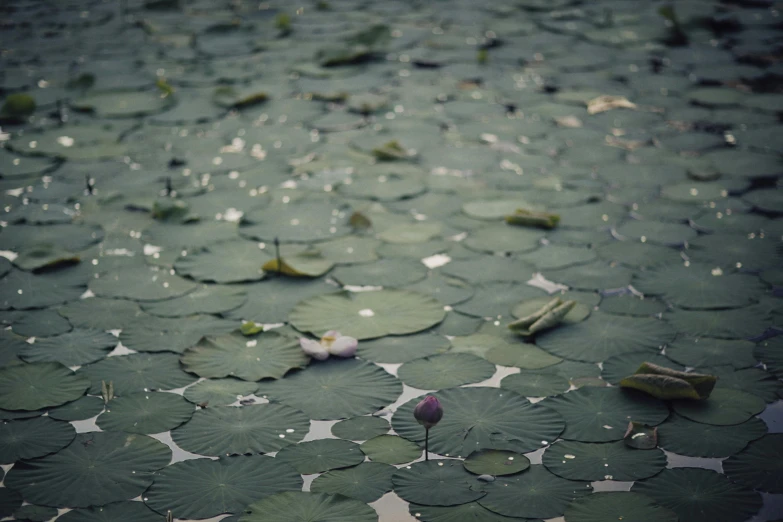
x=226 y=262
x=137 y=372
x=366 y=482
x=204 y=488
x=632 y=305
x=605 y=461
x=618 y=505
x=725 y=407
x=149 y=333
x=602 y=414
x=25 y=291
x=478 y=418
x=700 y=352
x=123 y=104
x=335 y=389
x=758 y=466
x=618 y=367
x=147 y=412
x=389 y=273
x=472 y=511
x=437 y=483
x=271 y=300
x=10 y=501
x=402 y=349
x=667 y=234
x=321 y=455
x=445 y=371
x=447 y=290
x=485 y=269
x=493 y=209
x=298 y=506
x=536 y=383
x=306 y=263
x=536 y=493
x=100 y=314
x=44 y=323
x=497 y=299
x=749 y=380
x=350 y=250
x=522 y=355
x=229 y=430
x=700 y=495
x=267 y=355
x=32 y=438
x=36 y=386
x=410 y=233
x=604 y=335
x=367 y=315
x=83 y=408
x=503 y=238
x=696 y=439
x=637 y=255
x=770 y=352
x=296 y=222
x=141 y=284
x=736 y=323
x=71 y=349
x=95 y=469
x=390 y=449
x=115 y=512
x=361 y=428
x=206 y=299
x=496 y=462
x=219 y=392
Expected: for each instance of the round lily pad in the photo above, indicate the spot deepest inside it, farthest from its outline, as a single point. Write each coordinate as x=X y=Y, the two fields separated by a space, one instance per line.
x=750 y=380
x=31 y=438
x=389 y=273
x=472 y=511
x=735 y=323
x=141 y=284
x=137 y=372
x=632 y=305
x=95 y=469
x=204 y=488
x=149 y=333
x=74 y=348
x=493 y=209
x=146 y=412
x=123 y=104
x=361 y=428
x=667 y=234
x=504 y=238
x=695 y=439
x=496 y=462
x=410 y=233
x=99 y=313
x=744 y=250
x=497 y=299
x=271 y=300
x=437 y=483
x=700 y=495
x=445 y=371
x=366 y=482
x=335 y=389
x=390 y=449
x=618 y=505
x=618 y=367
x=522 y=355
x=297 y=506
x=31 y=513
x=477 y=418
x=485 y=269
x=321 y=455
x=206 y=299
x=699 y=352
x=21 y=290
x=43 y=323
x=699 y=286
x=604 y=335
x=219 y=392
x=115 y=512
x=724 y=407
x=401 y=349
x=536 y=493
x=267 y=355
x=578 y=313
x=83 y=408
x=350 y=249
x=226 y=262
x=296 y=222
x=637 y=255
x=39 y=385
x=366 y=315
x=602 y=414
x=536 y=383
x=760 y=465
x=447 y=290
x=229 y=430
x=10 y=500
x=604 y=461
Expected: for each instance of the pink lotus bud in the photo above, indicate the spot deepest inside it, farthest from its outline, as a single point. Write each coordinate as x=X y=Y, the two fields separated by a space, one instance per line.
x=428 y=412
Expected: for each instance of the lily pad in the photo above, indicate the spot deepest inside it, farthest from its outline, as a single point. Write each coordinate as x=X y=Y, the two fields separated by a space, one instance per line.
x=335 y=389
x=147 y=412
x=758 y=466
x=536 y=493
x=95 y=469
x=521 y=355
x=367 y=315
x=100 y=314
x=297 y=506
x=141 y=284
x=219 y=392
x=36 y=386
x=389 y=273
x=618 y=367
x=604 y=461
x=137 y=372
x=32 y=438
x=602 y=414
x=536 y=383
x=271 y=301
x=206 y=299
x=366 y=482
x=503 y=238
x=478 y=418
x=437 y=483
x=71 y=349
x=667 y=234
x=361 y=428
x=725 y=407
x=770 y=352
x=321 y=455
x=402 y=349
x=229 y=430
x=226 y=262
x=700 y=495
x=44 y=323
x=307 y=263
x=149 y=333
x=472 y=511
x=390 y=449
x=296 y=222
x=25 y=291
x=445 y=371
x=204 y=488
x=700 y=352
x=267 y=355
x=695 y=439
x=129 y=511
x=496 y=462
x=618 y=505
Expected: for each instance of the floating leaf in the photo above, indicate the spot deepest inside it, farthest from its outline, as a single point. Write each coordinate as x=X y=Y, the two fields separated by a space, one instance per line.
x=361 y=428
x=366 y=482
x=303 y=507
x=723 y=408
x=317 y=456
x=148 y=412
x=548 y=316
x=604 y=461
x=219 y=392
x=32 y=438
x=129 y=511
x=496 y=462
x=758 y=466
x=437 y=483
x=137 y=372
x=36 y=386
x=668 y=384
x=445 y=371
x=695 y=439
x=390 y=449
x=303 y=264
x=618 y=505
x=527 y=218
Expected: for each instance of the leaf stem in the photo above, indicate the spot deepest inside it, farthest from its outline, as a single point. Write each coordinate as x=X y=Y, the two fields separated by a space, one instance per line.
x=426 y=444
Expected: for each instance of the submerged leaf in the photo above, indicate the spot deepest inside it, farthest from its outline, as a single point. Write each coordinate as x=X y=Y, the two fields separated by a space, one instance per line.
x=667 y=384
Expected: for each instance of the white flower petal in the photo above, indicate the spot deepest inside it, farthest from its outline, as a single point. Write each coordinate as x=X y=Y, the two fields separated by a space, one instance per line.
x=344 y=346
x=313 y=349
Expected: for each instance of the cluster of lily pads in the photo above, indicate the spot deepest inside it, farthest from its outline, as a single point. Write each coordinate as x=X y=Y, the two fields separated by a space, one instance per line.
x=351 y=260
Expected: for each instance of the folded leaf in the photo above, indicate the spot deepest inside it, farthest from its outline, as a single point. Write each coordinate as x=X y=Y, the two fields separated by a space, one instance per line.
x=640 y=436
x=661 y=386
x=547 y=317
x=528 y=218
x=303 y=264
x=702 y=383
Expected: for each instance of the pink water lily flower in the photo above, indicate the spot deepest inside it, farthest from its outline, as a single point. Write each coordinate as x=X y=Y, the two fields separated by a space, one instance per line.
x=332 y=343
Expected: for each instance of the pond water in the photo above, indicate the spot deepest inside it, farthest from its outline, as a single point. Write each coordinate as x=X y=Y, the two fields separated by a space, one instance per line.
x=190 y=186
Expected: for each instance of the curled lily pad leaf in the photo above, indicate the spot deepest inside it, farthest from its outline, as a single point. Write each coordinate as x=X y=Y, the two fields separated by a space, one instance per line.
x=668 y=384
x=309 y=263
x=640 y=436
x=528 y=218
x=549 y=316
